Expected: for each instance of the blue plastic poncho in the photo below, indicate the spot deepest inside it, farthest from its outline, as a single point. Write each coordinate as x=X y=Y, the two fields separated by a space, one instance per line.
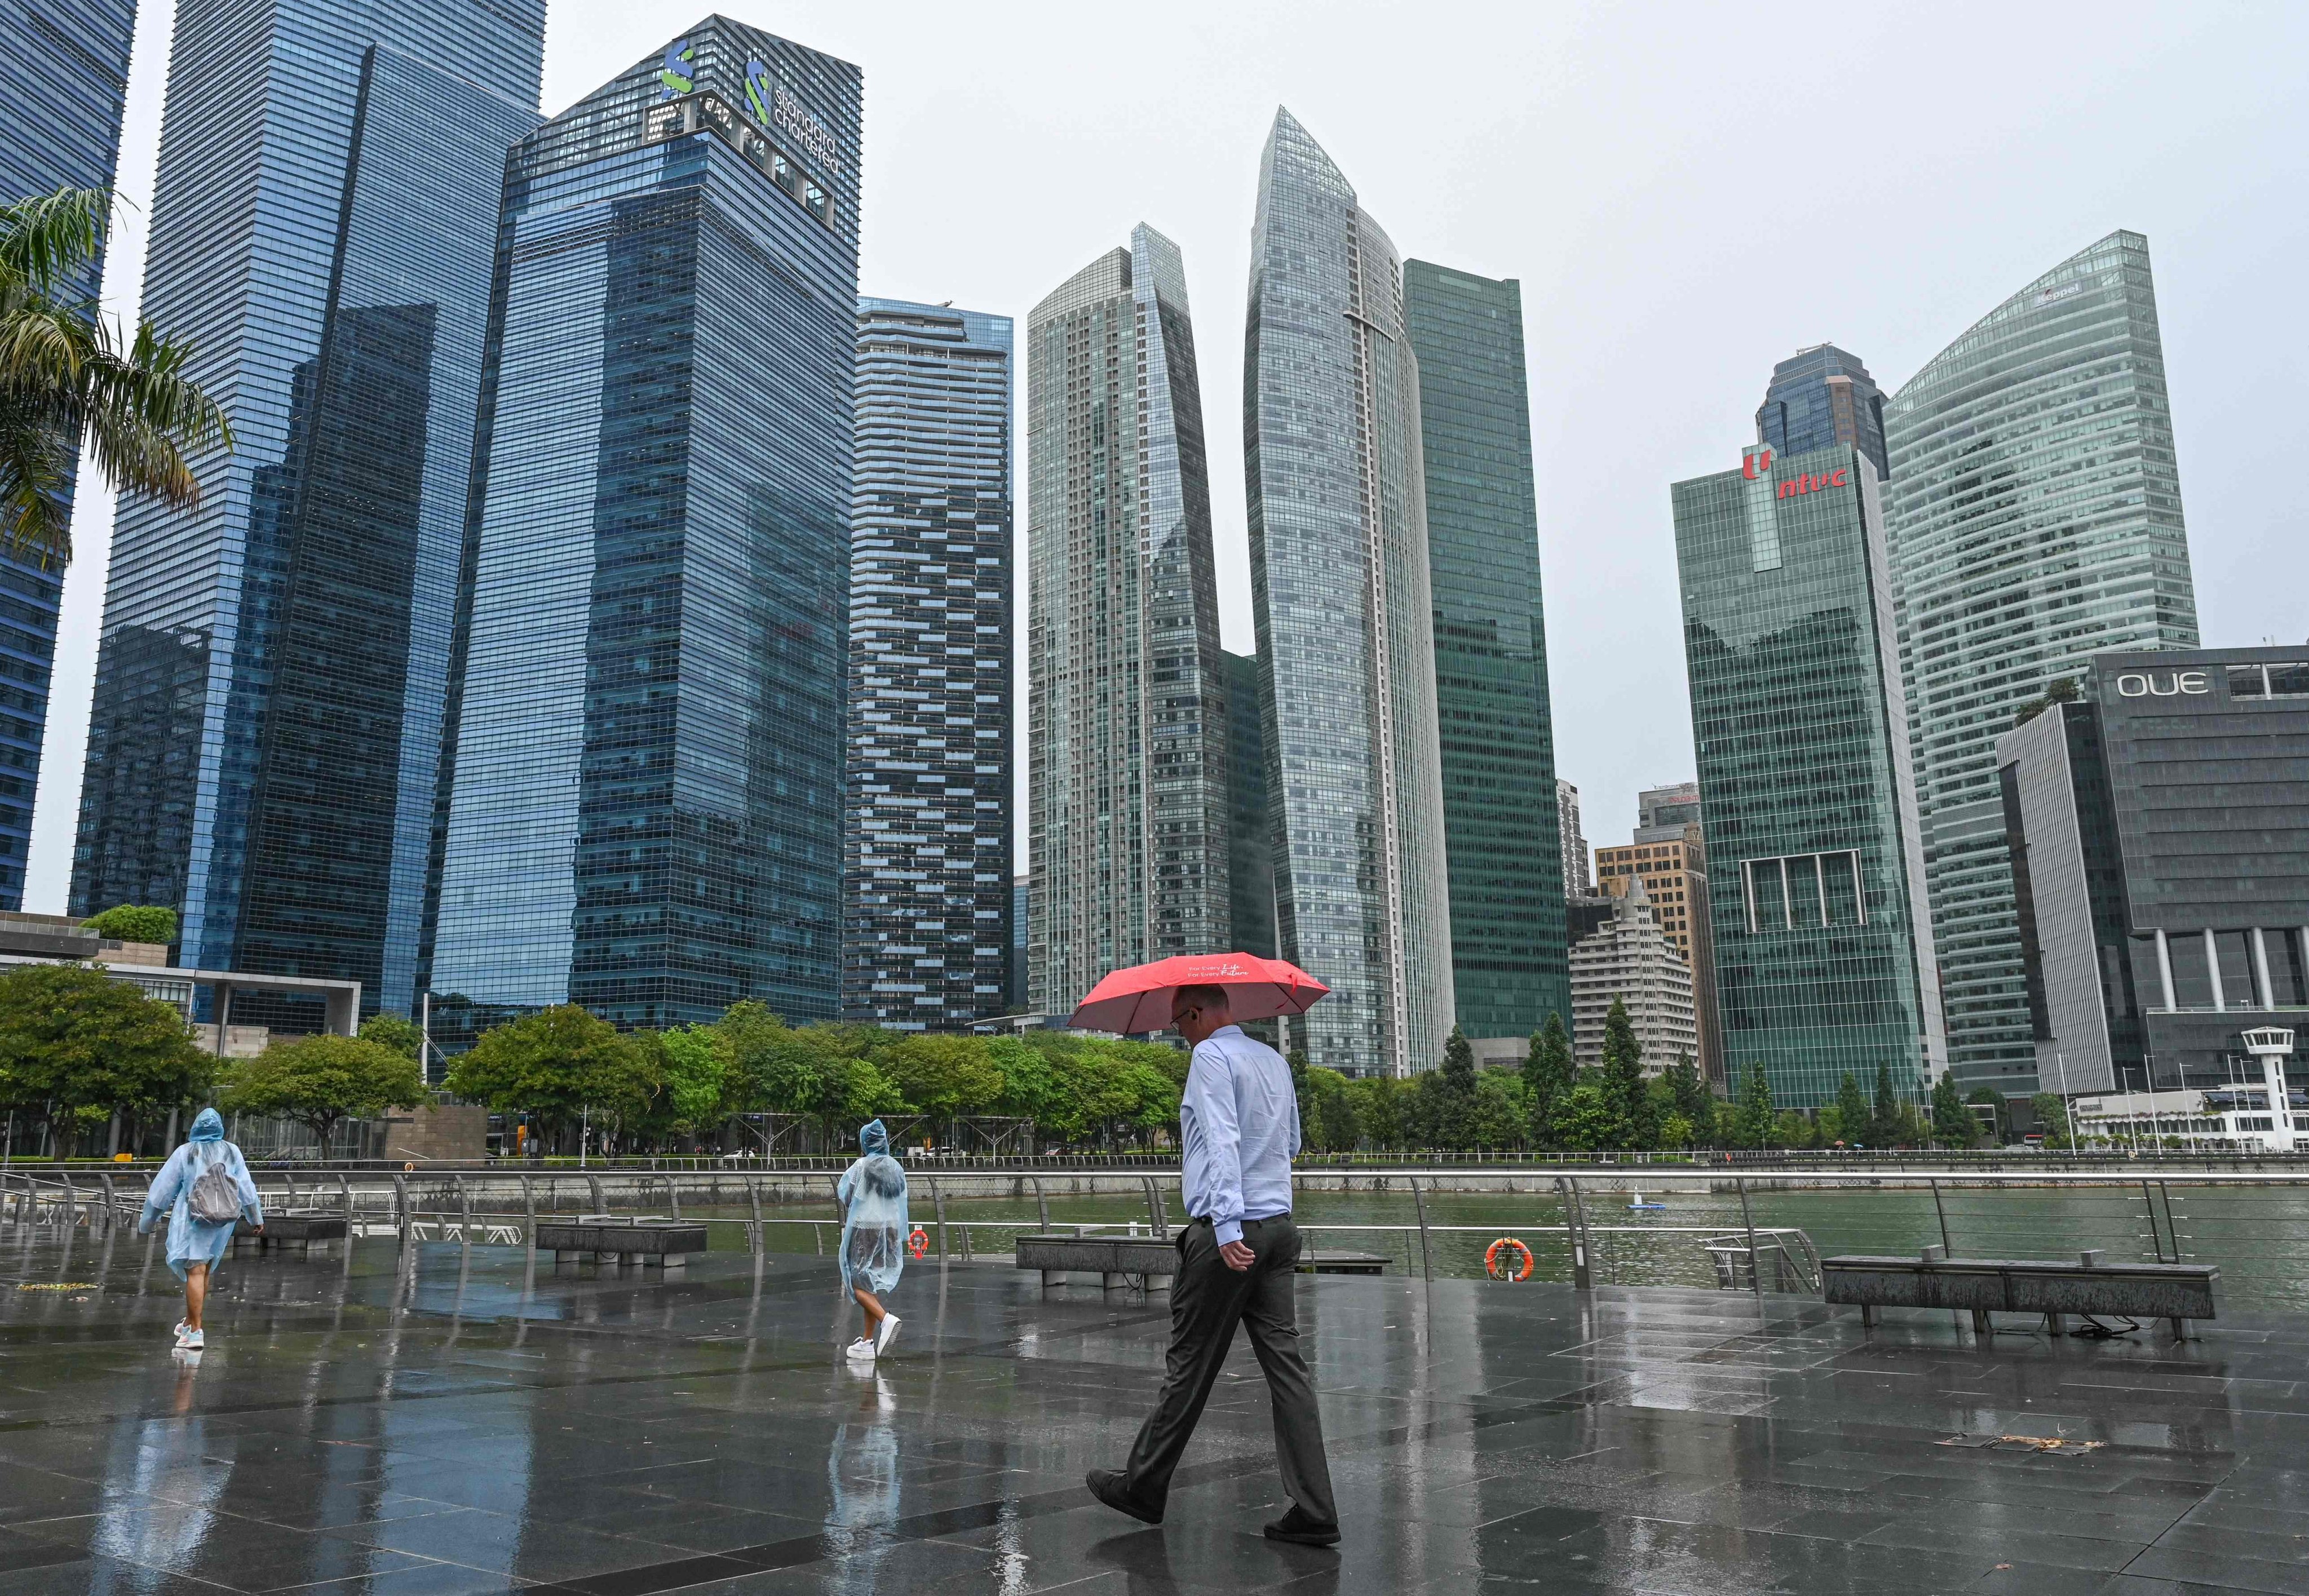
x=189 y=1240
x=873 y=1197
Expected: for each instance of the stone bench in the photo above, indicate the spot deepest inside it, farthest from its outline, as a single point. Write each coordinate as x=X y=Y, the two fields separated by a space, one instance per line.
x=280 y=1228
x=1153 y=1258
x=2178 y=1292
x=664 y=1242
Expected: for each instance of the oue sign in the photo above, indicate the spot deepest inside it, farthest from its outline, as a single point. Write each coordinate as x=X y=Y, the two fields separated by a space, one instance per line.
x=2169 y=683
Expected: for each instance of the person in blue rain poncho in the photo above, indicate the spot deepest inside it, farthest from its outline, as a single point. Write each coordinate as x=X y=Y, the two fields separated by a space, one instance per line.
x=873 y=1198
x=196 y=1247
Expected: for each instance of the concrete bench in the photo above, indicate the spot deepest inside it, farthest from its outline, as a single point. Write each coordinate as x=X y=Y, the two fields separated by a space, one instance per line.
x=664 y=1242
x=1153 y=1258
x=303 y=1229
x=2175 y=1291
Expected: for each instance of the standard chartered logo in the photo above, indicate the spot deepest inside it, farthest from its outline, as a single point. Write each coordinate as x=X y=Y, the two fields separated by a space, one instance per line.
x=674 y=71
x=758 y=91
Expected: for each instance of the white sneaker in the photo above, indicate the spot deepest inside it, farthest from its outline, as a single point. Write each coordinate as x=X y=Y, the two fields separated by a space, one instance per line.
x=887 y=1333
x=192 y=1341
x=180 y=1332
x=861 y=1350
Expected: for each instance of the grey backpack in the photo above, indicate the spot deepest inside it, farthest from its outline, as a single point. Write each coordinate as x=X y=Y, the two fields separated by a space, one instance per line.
x=215 y=1196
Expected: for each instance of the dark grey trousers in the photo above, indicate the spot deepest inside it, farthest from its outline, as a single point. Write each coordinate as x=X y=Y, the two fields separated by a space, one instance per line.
x=1207 y=1301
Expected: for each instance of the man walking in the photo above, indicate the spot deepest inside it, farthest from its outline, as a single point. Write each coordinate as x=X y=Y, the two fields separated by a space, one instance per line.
x=1239 y=1130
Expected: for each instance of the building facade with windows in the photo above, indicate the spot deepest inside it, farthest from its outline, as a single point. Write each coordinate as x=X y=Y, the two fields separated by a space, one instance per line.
x=926 y=888
x=1672 y=867
x=1570 y=842
x=1127 y=716
x=63 y=80
x=646 y=811
x=2035 y=520
x=1495 y=728
x=1340 y=595
x=1250 y=857
x=275 y=666
x=1629 y=958
x=1823 y=952
x=2158 y=827
x=1823 y=398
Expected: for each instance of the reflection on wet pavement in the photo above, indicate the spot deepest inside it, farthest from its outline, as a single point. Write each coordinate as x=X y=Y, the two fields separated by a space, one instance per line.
x=459 y=1420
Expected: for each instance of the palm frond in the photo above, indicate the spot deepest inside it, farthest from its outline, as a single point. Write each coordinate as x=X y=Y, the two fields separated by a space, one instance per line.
x=48 y=237
x=35 y=515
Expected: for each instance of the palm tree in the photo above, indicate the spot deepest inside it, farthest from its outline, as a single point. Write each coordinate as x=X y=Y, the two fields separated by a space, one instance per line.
x=65 y=380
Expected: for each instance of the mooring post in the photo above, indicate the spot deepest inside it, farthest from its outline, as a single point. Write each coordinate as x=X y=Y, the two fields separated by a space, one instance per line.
x=529 y=1217
x=754 y=1195
x=401 y=1208
x=1042 y=1203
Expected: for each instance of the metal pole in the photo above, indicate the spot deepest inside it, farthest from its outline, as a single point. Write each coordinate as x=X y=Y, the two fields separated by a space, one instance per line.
x=754 y=1194
x=1947 y=1246
x=1426 y=1256
x=1755 y=1265
x=938 y=1196
x=529 y=1214
x=401 y=1207
x=1042 y=1203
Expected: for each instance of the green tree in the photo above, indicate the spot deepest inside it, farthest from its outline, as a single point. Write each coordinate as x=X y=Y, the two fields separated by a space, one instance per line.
x=1688 y=1101
x=943 y=1074
x=1792 y=1128
x=1327 y=1113
x=1851 y=1111
x=1447 y=1097
x=134 y=922
x=77 y=1046
x=1381 y=1105
x=1624 y=1097
x=1989 y=1096
x=1887 y=1126
x=556 y=1063
x=2050 y=1112
x=1585 y=1120
x=1953 y=1122
x=1751 y=1121
x=1547 y=1079
x=68 y=381
x=696 y=1067
x=320 y=1081
x=396 y=1032
x=1501 y=1116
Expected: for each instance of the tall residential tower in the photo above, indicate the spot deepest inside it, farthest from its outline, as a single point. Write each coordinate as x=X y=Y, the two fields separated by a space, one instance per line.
x=647 y=800
x=1340 y=593
x=926 y=887
x=1494 y=725
x=1128 y=711
x=2035 y=518
x=274 y=669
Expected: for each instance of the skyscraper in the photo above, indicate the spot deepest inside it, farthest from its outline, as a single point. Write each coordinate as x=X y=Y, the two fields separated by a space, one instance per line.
x=1630 y=960
x=65 y=133
x=1494 y=726
x=1127 y=764
x=926 y=894
x=647 y=800
x=1571 y=843
x=1823 y=952
x=1340 y=593
x=1820 y=397
x=2035 y=519
x=271 y=684
x=1250 y=858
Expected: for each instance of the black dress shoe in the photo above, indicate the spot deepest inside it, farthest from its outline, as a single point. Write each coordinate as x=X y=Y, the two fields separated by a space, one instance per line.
x=1295 y=1526
x=1106 y=1484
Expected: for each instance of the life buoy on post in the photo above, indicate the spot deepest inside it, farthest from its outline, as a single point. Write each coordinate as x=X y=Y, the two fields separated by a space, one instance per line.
x=918 y=1244
x=1499 y=1260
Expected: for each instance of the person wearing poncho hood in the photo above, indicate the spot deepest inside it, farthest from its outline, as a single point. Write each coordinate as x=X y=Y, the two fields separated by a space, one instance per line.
x=196 y=1246
x=873 y=1197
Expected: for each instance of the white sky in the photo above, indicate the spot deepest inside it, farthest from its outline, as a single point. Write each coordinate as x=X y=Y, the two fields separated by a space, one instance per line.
x=1687 y=192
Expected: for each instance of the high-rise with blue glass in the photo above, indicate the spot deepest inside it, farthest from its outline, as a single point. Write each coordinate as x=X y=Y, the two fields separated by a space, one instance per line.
x=646 y=812
x=927 y=883
x=64 y=78
x=1339 y=593
x=1821 y=398
x=274 y=665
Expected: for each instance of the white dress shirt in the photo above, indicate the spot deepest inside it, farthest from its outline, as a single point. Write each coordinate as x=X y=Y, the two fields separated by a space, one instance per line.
x=1238 y=1131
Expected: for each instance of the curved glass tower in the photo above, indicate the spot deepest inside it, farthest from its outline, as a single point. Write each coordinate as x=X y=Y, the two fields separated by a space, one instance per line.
x=1339 y=581
x=2035 y=520
x=1127 y=699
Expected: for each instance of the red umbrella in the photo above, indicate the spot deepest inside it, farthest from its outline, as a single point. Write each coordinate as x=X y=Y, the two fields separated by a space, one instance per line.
x=1139 y=998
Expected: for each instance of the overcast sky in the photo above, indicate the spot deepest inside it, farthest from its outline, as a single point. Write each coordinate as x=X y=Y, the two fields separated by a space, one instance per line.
x=1688 y=192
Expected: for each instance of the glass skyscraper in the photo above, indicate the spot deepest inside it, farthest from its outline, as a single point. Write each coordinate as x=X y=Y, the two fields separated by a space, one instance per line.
x=266 y=738
x=1816 y=888
x=1339 y=591
x=1494 y=726
x=1250 y=858
x=1820 y=397
x=1127 y=745
x=647 y=810
x=926 y=893
x=63 y=77
x=2035 y=518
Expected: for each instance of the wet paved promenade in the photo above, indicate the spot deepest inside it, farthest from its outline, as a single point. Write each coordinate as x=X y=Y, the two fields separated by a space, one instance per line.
x=355 y=1425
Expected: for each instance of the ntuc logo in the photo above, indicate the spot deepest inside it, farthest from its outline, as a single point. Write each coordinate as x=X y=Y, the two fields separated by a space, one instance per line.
x=1813 y=482
x=1754 y=466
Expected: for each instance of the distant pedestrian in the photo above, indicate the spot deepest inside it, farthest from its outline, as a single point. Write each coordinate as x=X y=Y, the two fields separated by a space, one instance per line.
x=206 y=1190
x=1239 y=1127
x=873 y=1198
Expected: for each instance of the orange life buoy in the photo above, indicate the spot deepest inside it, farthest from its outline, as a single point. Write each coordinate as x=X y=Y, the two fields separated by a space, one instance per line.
x=918 y=1244
x=1505 y=1270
